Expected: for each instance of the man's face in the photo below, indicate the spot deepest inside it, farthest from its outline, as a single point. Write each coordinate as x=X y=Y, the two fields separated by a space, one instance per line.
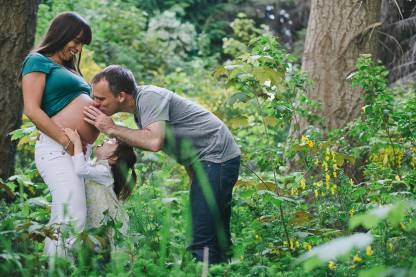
x=104 y=99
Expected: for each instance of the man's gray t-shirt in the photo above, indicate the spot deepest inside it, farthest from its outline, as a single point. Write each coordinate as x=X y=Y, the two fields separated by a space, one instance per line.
x=192 y=131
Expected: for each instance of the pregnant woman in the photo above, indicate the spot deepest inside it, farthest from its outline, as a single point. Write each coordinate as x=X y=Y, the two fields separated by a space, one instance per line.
x=54 y=94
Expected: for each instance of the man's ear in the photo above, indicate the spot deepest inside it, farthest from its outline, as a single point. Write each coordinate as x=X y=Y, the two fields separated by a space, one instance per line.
x=121 y=96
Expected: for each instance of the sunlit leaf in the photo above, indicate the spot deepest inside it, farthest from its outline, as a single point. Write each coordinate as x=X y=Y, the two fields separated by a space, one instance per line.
x=334 y=249
x=239 y=121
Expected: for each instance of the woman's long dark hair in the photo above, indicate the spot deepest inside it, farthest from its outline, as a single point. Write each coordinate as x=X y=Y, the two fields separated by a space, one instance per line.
x=64 y=28
x=126 y=158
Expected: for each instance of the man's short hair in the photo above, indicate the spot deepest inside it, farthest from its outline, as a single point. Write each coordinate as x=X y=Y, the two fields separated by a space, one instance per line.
x=119 y=79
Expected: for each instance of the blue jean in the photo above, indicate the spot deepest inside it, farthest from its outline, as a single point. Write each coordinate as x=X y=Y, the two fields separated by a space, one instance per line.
x=210 y=195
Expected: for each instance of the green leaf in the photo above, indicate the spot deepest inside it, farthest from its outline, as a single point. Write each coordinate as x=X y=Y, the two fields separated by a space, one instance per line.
x=271 y=121
x=219 y=70
x=239 y=121
x=239 y=96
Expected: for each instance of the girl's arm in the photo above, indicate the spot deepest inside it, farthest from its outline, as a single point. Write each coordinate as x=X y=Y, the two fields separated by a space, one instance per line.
x=98 y=173
x=33 y=85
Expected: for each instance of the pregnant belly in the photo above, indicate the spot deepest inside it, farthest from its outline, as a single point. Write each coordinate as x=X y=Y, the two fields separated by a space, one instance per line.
x=72 y=117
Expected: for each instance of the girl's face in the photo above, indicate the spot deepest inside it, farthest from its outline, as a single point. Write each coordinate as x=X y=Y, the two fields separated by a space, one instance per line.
x=106 y=150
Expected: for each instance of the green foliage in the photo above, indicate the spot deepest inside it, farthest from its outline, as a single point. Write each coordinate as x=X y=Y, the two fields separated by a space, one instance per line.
x=360 y=179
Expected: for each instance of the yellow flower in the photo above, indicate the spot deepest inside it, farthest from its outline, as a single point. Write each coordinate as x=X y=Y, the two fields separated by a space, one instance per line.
x=322 y=194
x=353 y=266
x=257 y=236
x=316 y=161
x=291 y=244
x=327 y=151
x=335 y=174
x=319 y=184
x=310 y=143
x=403 y=226
x=331 y=265
x=333 y=189
x=327 y=177
x=241 y=258
x=297 y=244
x=357 y=259
x=307 y=246
x=335 y=166
x=303 y=184
x=326 y=158
x=316 y=193
x=352 y=211
x=369 y=251
x=304 y=138
x=351 y=182
x=391 y=245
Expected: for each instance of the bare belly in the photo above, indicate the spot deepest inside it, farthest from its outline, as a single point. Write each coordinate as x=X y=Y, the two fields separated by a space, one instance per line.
x=72 y=117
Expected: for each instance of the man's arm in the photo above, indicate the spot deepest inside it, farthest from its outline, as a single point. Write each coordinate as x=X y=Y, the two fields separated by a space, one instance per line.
x=150 y=138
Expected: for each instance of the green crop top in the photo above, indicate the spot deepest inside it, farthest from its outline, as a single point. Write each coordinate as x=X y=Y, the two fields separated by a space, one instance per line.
x=61 y=87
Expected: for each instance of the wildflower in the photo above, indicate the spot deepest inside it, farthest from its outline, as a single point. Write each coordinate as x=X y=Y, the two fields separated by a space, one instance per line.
x=241 y=258
x=352 y=211
x=322 y=194
x=335 y=166
x=291 y=244
x=357 y=259
x=327 y=151
x=333 y=189
x=297 y=244
x=307 y=246
x=242 y=209
x=327 y=177
x=324 y=164
x=257 y=236
x=316 y=161
x=335 y=174
x=397 y=178
x=303 y=184
x=310 y=143
x=353 y=266
x=391 y=245
x=319 y=184
x=351 y=182
x=304 y=138
x=316 y=193
x=403 y=226
x=326 y=158
x=331 y=265
x=369 y=251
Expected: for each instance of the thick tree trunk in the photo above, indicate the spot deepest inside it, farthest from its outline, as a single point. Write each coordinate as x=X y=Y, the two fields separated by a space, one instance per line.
x=338 y=31
x=17 y=32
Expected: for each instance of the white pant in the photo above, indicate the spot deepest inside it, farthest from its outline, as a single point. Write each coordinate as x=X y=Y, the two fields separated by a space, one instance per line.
x=56 y=168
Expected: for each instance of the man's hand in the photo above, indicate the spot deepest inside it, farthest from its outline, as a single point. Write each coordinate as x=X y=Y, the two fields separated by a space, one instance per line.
x=98 y=119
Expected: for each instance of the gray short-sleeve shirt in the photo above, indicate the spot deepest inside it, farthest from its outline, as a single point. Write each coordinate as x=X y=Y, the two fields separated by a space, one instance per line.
x=192 y=131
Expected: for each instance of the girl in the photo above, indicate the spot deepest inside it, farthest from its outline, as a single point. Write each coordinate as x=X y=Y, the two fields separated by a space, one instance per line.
x=105 y=182
x=54 y=94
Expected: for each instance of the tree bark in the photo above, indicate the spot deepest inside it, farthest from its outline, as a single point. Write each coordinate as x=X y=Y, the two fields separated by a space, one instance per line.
x=17 y=33
x=338 y=31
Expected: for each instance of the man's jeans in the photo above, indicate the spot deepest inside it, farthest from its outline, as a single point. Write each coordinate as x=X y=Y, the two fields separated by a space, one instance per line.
x=211 y=194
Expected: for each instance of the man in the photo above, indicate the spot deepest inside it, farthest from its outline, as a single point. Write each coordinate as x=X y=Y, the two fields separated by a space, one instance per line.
x=184 y=130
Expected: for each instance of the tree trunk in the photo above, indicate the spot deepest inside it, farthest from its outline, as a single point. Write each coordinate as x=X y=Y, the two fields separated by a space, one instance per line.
x=17 y=33
x=338 y=31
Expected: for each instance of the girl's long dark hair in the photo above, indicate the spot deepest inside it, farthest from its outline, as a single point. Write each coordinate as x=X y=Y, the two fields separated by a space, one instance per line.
x=126 y=158
x=64 y=28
